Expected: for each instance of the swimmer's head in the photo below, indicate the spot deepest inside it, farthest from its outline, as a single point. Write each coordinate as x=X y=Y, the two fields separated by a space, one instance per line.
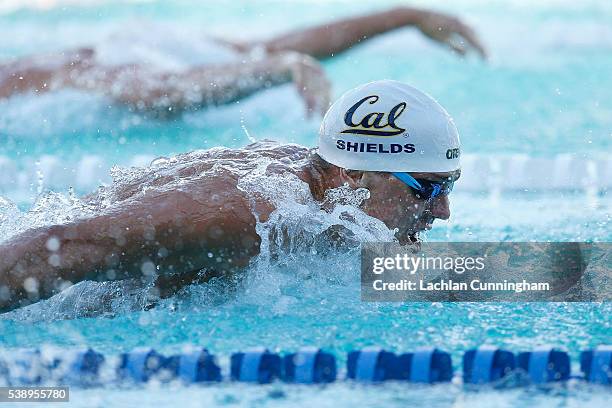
x=400 y=144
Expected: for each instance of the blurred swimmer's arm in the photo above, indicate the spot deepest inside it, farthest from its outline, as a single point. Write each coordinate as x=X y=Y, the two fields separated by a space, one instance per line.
x=169 y=93
x=332 y=38
x=239 y=80
x=170 y=234
x=38 y=73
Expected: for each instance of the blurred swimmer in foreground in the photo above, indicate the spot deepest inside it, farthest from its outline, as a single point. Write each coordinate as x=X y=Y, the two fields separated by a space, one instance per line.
x=186 y=219
x=290 y=57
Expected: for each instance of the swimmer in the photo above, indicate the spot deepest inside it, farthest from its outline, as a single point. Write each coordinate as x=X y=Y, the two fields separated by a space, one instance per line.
x=258 y=65
x=189 y=219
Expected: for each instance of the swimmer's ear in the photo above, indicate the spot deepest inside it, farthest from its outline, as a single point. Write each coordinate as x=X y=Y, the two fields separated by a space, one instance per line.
x=352 y=177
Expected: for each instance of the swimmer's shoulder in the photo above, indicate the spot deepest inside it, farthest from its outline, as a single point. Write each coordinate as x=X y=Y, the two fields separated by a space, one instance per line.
x=278 y=150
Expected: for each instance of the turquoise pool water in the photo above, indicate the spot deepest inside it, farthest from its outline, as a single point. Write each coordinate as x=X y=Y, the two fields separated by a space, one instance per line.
x=535 y=121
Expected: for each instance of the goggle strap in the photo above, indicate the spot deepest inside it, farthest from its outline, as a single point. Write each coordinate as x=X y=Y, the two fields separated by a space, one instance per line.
x=408 y=179
x=437 y=189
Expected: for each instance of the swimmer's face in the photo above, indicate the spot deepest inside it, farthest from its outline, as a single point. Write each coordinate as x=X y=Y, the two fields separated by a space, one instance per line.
x=396 y=204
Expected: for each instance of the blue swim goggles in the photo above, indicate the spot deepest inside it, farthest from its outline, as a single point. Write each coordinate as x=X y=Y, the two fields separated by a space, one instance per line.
x=426 y=189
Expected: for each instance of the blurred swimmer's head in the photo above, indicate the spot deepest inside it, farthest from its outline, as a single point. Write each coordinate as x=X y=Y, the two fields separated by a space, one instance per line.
x=401 y=145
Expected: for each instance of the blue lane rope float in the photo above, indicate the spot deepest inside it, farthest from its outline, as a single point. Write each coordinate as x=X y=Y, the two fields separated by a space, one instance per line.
x=371 y=364
x=84 y=368
x=27 y=368
x=140 y=365
x=426 y=365
x=308 y=365
x=4 y=373
x=596 y=364
x=256 y=365
x=545 y=365
x=487 y=364
x=194 y=366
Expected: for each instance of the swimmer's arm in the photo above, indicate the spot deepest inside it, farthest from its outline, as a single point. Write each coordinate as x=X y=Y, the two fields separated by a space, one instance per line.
x=169 y=93
x=171 y=233
x=38 y=72
x=236 y=81
x=332 y=38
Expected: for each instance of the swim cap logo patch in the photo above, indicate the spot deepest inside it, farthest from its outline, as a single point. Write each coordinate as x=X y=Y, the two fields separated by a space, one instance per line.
x=453 y=153
x=373 y=124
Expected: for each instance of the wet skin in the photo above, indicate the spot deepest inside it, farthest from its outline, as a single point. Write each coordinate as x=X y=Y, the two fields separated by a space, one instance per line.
x=290 y=56
x=188 y=224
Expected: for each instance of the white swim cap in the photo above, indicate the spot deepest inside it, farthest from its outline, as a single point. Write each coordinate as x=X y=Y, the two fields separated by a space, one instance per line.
x=389 y=126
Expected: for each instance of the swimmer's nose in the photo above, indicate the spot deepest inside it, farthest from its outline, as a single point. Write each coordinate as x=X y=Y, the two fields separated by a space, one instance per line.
x=440 y=207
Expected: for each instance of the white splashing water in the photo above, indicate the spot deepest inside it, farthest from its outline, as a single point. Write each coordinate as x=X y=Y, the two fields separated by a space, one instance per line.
x=298 y=229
